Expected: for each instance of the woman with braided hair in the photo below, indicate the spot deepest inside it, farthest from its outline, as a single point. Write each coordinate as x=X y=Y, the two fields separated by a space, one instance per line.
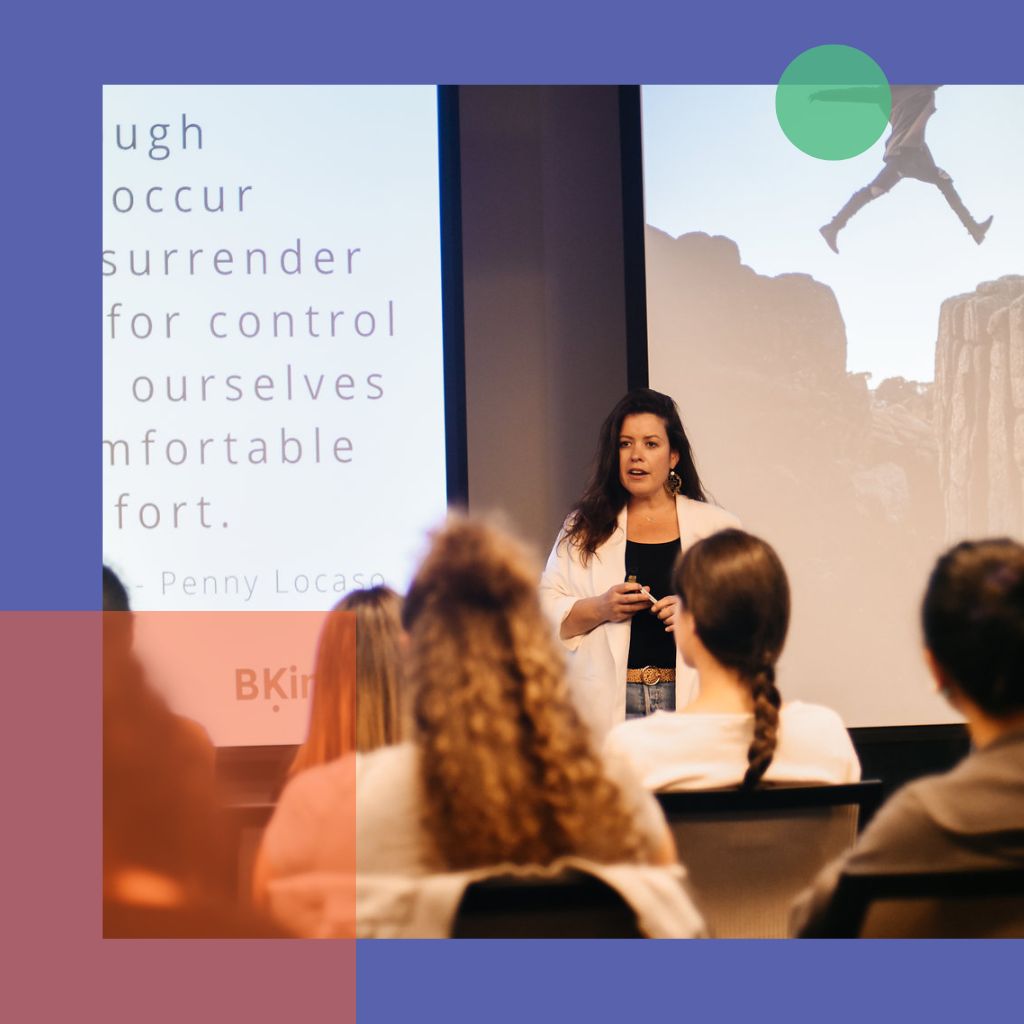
x=731 y=626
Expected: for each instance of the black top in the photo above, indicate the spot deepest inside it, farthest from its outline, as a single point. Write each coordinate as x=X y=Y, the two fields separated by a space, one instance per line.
x=651 y=564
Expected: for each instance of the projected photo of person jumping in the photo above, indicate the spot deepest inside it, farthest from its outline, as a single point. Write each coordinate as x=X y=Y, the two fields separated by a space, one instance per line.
x=906 y=155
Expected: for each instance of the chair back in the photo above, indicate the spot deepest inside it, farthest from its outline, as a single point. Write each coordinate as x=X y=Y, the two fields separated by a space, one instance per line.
x=748 y=855
x=986 y=904
x=245 y=824
x=572 y=905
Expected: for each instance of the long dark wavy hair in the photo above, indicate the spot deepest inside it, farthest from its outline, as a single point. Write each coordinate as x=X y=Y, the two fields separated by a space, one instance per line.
x=734 y=586
x=593 y=520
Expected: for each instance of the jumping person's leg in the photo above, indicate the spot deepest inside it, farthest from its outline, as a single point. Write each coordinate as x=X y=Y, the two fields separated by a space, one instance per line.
x=884 y=180
x=944 y=183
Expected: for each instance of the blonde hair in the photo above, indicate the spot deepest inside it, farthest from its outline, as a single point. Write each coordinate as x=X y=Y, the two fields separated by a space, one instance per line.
x=508 y=769
x=357 y=686
x=381 y=712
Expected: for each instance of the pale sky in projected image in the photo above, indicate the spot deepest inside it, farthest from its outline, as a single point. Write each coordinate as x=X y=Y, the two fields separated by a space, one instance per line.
x=715 y=160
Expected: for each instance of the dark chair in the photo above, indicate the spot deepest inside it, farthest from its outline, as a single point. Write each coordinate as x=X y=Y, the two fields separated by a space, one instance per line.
x=245 y=823
x=572 y=905
x=939 y=904
x=748 y=854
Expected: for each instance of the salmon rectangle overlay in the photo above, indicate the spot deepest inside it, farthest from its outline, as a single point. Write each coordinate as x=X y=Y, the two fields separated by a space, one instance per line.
x=190 y=852
x=244 y=676
x=53 y=854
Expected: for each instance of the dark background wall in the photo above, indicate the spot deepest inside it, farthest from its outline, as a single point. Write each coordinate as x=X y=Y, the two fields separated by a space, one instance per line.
x=544 y=293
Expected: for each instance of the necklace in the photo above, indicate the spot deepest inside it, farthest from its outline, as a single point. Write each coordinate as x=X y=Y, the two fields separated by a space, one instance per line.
x=649 y=517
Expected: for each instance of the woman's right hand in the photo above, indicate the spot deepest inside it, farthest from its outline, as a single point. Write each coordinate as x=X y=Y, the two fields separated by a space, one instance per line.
x=617 y=604
x=620 y=603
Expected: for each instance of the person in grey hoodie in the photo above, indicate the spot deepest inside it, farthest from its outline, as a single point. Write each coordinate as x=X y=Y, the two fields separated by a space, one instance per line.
x=971 y=818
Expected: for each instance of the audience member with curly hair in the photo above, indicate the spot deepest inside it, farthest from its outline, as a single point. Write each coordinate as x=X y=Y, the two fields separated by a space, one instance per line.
x=731 y=627
x=501 y=769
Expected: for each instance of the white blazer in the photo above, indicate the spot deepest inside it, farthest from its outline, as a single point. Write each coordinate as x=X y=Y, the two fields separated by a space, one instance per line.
x=598 y=658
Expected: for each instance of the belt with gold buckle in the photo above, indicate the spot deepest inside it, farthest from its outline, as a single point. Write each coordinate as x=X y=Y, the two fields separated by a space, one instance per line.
x=649 y=675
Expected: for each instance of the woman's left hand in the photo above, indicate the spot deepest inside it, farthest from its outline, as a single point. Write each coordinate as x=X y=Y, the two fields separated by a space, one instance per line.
x=666 y=610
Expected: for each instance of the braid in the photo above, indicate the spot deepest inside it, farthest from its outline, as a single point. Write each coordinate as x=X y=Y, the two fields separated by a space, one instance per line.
x=735 y=588
x=766 y=724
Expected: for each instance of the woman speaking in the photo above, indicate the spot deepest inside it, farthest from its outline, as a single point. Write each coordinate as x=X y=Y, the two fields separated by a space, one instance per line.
x=607 y=585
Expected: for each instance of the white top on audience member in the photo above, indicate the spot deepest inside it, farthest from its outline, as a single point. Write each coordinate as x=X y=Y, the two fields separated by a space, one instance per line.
x=680 y=751
x=318 y=831
x=316 y=821
x=313 y=828
x=390 y=834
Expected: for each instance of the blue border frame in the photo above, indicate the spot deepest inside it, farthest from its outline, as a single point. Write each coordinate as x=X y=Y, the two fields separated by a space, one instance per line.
x=55 y=58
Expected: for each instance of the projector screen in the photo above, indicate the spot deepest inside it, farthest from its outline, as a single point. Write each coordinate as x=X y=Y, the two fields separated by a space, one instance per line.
x=273 y=414
x=862 y=410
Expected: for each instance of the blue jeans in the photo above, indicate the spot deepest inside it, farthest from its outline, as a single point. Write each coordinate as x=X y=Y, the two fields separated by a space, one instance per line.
x=643 y=700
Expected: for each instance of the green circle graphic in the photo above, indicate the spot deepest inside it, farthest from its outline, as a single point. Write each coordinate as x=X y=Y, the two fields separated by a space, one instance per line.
x=833 y=102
